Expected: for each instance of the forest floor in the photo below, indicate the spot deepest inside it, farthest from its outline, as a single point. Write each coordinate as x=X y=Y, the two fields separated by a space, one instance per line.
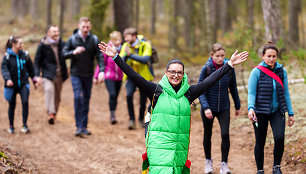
x=113 y=149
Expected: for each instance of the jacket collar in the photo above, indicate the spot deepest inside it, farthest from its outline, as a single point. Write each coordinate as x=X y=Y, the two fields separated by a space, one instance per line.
x=164 y=82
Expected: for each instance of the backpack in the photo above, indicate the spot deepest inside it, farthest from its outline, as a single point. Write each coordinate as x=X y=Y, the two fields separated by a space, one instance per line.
x=154 y=56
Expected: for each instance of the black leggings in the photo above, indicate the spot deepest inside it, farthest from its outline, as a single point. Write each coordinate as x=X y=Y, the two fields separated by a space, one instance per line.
x=224 y=122
x=24 y=95
x=113 y=88
x=277 y=122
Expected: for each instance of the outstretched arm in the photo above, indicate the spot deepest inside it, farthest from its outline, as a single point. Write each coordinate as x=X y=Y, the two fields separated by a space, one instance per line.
x=197 y=90
x=144 y=85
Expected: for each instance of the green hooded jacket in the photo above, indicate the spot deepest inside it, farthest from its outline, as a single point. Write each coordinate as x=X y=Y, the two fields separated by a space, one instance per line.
x=169 y=130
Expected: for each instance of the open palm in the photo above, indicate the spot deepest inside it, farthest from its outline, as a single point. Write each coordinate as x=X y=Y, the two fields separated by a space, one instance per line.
x=239 y=58
x=109 y=50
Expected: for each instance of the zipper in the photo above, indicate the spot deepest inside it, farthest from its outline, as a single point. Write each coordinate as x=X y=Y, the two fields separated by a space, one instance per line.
x=219 y=97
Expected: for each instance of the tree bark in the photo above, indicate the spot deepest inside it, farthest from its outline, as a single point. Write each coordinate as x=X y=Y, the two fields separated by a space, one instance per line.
x=122 y=10
x=273 y=20
x=61 y=19
x=188 y=26
x=153 y=17
x=226 y=20
x=34 y=9
x=173 y=25
x=209 y=24
x=294 y=10
x=250 y=12
x=213 y=14
x=75 y=7
x=49 y=11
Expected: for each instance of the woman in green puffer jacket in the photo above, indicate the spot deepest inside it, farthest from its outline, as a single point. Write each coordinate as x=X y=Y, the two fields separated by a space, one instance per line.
x=168 y=138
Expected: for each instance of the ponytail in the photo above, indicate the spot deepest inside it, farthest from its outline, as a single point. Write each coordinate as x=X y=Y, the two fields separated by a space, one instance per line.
x=10 y=41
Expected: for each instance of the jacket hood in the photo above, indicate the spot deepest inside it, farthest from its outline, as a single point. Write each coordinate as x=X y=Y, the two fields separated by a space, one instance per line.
x=164 y=82
x=277 y=65
x=11 y=52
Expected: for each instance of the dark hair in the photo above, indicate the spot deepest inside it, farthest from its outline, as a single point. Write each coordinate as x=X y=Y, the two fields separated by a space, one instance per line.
x=10 y=41
x=216 y=47
x=269 y=45
x=174 y=61
x=50 y=26
x=130 y=30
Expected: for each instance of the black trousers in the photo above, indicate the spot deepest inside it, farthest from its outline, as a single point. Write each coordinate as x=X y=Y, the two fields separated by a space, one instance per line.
x=24 y=92
x=277 y=122
x=113 y=88
x=224 y=122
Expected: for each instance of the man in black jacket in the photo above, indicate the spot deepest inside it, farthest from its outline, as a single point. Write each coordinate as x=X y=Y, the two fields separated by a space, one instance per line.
x=82 y=48
x=49 y=61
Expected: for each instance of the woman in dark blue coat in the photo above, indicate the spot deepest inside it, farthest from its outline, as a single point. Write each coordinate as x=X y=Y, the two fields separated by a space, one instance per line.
x=16 y=68
x=215 y=103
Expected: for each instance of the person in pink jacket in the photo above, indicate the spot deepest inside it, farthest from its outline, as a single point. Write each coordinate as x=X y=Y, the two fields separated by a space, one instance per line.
x=113 y=75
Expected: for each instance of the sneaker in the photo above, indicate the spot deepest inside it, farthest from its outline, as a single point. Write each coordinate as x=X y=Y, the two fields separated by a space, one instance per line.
x=209 y=166
x=132 y=124
x=224 y=168
x=277 y=170
x=25 y=129
x=141 y=123
x=11 y=130
x=260 y=172
x=113 y=118
x=51 y=119
x=78 y=132
x=85 y=132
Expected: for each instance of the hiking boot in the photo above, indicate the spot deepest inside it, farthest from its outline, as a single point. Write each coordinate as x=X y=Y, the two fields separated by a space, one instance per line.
x=209 y=166
x=260 y=172
x=113 y=118
x=86 y=132
x=51 y=119
x=25 y=129
x=132 y=124
x=224 y=168
x=277 y=170
x=11 y=130
x=78 y=132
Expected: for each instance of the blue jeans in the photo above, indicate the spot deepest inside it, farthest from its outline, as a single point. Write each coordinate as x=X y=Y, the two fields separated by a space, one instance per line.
x=130 y=89
x=82 y=92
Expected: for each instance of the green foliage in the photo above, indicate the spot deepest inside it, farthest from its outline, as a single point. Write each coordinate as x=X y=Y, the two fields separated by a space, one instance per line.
x=2 y=155
x=97 y=13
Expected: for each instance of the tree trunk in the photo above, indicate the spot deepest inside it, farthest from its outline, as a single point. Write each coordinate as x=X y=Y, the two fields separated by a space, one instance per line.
x=273 y=20
x=122 y=10
x=188 y=26
x=14 y=8
x=97 y=15
x=160 y=8
x=209 y=26
x=34 y=9
x=61 y=19
x=137 y=14
x=23 y=7
x=153 y=17
x=49 y=11
x=250 y=12
x=226 y=20
x=213 y=4
x=173 y=25
x=294 y=9
x=75 y=7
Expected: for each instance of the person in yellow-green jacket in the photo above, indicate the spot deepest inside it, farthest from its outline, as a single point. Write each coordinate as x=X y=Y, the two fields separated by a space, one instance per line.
x=136 y=51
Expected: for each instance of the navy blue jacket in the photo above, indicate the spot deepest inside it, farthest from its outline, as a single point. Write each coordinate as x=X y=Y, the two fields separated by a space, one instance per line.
x=216 y=98
x=17 y=68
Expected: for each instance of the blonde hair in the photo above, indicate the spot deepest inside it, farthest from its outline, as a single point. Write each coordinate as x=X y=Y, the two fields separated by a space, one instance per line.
x=216 y=47
x=115 y=35
x=84 y=19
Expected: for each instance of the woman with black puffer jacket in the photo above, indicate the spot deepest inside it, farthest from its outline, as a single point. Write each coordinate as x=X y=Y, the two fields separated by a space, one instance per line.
x=215 y=103
x=16 y=68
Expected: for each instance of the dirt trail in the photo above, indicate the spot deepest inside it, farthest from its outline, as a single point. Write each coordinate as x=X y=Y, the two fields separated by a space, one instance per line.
x=111 y=148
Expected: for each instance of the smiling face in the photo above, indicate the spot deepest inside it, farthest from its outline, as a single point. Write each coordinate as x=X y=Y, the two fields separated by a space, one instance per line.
x=175 y=73
x=129 y=38
x=54 y=32
x=218 y=57
x=270 y=57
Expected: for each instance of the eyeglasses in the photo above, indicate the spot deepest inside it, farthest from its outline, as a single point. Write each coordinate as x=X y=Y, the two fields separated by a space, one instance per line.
x=173 y=73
